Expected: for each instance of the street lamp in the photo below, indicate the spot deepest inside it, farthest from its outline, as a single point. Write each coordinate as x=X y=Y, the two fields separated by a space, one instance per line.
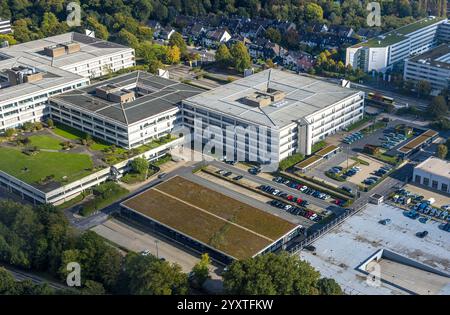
x=157 y=253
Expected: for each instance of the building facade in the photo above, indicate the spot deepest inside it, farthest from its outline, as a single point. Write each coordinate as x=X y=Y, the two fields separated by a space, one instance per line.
x=432 y=66
x=382 y=52
x=5 y=26
x=34 y=71
x=433 y=173
x=273 y=111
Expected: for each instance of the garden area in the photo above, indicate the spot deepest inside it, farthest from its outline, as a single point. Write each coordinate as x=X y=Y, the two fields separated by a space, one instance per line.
x=103 y=195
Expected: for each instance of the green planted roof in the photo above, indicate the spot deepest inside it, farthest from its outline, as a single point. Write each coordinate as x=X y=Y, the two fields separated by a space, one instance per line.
x=399 y=34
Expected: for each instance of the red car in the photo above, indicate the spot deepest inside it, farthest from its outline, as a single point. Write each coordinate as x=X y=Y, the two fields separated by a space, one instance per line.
x=299 y=200
x=299 y=186
x=290 y=197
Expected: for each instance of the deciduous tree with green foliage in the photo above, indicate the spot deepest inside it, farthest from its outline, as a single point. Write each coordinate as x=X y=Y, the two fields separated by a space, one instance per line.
x=140 y=165
x=200 y=272
x=271 y=274
x=438 y=107
x=223 y=55
x=241 y=57
x=442 y=151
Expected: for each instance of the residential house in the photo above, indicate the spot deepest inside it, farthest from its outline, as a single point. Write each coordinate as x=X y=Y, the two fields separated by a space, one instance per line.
x=263 y=48
x=215 y=37
x=166 y=33
x=341 y=31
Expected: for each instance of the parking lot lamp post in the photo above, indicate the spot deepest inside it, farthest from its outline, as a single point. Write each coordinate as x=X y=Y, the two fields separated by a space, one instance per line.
x=156 y=243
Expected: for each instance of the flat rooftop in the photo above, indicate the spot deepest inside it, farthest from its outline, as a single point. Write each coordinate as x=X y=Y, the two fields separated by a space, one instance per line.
x=438 y=57
x=31 y=54
x=418 y=141
x=218 y=221
x=340 y=252
x=435 y=166
x=163 y=95
x=303 y=96
x=399 y=34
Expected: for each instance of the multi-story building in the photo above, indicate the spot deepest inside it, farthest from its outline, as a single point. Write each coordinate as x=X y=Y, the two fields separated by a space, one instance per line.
x=433 y=173
x=32 y=72
x=432 y=66
x=129 y=110
x=288 y=112
x=382 y=52
x=5 y=26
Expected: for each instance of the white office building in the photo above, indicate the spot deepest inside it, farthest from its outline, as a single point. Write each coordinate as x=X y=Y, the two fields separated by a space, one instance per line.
x=433 y=173
x=129 y=110
x=5 y=26
x=432 y=66
x=272 y=110
x=32 y=72
x=382 y=52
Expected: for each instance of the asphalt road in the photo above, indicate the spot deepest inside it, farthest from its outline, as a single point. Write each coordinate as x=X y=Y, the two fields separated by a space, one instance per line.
x=20 y=275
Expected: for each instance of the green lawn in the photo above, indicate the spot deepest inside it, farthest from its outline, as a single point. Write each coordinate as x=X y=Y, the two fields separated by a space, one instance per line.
x=33 y=169
x=99 y=145
x=68 y=132
x=45 y=142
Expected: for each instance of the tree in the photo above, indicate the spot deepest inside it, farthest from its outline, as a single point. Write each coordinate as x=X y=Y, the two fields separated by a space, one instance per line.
x=148 y=275
x=442 y=151
x=50 y=123
x=10 y=132
x=241 y=57
x=177 y=40
x=271 y=274
x=92 y=288
x=173 y=55
x=50 y=25
x=223 y=55
x=128 y=39
x=200 y=272
x=140 y=166
x=100 y=30
x=438 y=107
x=327 y=286
x=423 y=88
x=273 y=35
x=313 y=12
x=8 y=38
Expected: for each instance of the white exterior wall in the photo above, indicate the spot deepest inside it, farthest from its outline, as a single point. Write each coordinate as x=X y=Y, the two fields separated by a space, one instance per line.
x=31 y=107
x=120 y=134
x=417 y=71
x=295 y=137
x=97 y=67
x=440 y=180
x=5 y=27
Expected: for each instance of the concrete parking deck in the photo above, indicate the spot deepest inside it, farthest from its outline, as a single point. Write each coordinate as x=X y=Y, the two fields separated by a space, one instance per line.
x=341 y=251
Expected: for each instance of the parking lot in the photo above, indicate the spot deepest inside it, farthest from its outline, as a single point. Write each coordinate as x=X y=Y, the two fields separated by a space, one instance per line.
x=440 y=199
x=366 y=171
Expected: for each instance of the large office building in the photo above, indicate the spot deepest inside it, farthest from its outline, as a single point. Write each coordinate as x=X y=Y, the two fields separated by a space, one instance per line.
x=432 y=66
x=129 y=110
x=433 y=173
x=280 y=113
x=32 y=72
x=382 y=52
x=5 y=26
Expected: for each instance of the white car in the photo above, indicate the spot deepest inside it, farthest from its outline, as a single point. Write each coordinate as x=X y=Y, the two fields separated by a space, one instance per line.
x=145 y=252
x=313 y=217
x=275 y=192
x=446 y=207
x=303 y=188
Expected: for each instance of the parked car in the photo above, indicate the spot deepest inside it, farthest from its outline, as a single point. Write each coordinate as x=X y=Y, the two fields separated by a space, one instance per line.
x=385 y=221
x=238 y=177
x=347 y=189
x=227 y=174
x=145 y=252
x=422 y=234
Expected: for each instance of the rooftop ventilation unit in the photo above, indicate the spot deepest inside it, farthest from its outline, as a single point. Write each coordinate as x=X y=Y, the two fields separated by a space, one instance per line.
x=21 y=74
x=59 y=50
x=114 y=93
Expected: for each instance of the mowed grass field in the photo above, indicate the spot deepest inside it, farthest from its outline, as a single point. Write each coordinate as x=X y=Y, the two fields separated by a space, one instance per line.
x=32 y=169
x=46 y=142
x=221 y=222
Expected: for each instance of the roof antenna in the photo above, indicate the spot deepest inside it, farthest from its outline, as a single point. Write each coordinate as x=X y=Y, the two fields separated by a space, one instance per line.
x=268 y=80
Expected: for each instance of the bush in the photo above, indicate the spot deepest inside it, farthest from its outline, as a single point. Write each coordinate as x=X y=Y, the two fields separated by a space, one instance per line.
x=334 y=176
x=291 y=161
x=104 y=195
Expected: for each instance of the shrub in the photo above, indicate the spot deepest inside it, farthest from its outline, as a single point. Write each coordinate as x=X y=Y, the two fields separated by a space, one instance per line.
x=291 y=161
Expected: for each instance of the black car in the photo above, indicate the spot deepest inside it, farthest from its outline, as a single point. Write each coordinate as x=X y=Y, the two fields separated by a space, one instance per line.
x=347 y=189
x=422 y=234
x=227 y=174
x=162 y=175
x=310 y=248
x=238 y=177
